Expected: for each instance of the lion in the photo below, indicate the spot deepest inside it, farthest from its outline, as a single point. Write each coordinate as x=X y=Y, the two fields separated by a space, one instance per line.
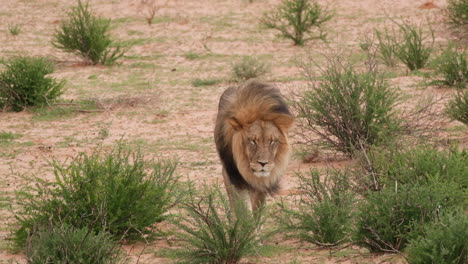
x=251 y=139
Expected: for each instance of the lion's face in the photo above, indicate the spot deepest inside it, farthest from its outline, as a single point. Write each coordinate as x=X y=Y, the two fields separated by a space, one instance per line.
x=261 y=141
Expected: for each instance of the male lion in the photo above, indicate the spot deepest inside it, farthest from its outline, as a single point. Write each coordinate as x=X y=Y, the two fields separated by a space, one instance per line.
x=251 y=138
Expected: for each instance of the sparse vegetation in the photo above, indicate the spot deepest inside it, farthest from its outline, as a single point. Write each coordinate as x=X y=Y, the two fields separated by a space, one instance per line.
x=414 y=186
x=88 y=36
x=192 y=55
x=415 y=165
x=211 y=232
x=408 y=45
x=458 y=12
x=205 y=82
x=115 y=193
x=324 y=209
x=411 y=49
x=14 y=29
x=389 y=218
x=457 y=108
x=453 y=67
x=25 y=82
x=6 y=137
x=248 y=68
x=374 y=190
x=348 y=110
x=386 y=47
x=65 y=244
x=444 y=241
x=298 y=19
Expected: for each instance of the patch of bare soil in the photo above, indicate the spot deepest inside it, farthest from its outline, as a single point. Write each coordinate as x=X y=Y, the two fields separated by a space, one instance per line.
x=149 y=99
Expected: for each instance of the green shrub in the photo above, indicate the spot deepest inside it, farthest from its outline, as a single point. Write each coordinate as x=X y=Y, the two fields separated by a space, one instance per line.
x=444 y=241
x=119 y=192
x=64 y=244
x=248 y=68
x=88 y=36
x=14 y=29
x=457 y=108
x=349 y=110
x=205 y=82
x=24 y=83
x=452 y=65
x=386 y=48
x=411 y=49
x=297 y=19
x=418 y=164
x=211 y=232
x=458 y=11
x=324 y=209
x=389 y=218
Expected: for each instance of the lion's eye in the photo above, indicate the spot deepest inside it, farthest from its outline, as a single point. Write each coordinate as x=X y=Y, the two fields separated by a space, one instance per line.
x=253 y=142
x=273 y=141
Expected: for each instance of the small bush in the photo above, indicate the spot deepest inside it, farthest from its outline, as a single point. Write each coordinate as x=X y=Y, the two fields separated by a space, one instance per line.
x=411 y=49
x=416 y=165
x=444 y=241
x=458 y=11
x=64 y=244
x=248 y=68
x=119 y=192
x=389 y=218
x=296 y=20
x=386 y=47
x=88 y=36
x=205 y=82
x=324 y=209
x=452 y=65
x=14 y=29
x=212 y=234
x=349 y=110
x=457 y=108
x=24 y=83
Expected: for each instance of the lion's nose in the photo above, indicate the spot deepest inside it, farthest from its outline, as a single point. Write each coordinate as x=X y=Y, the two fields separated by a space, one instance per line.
x=263 y=163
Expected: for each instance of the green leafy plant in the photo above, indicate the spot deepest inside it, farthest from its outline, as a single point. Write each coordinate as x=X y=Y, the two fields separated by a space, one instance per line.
x=443 y=242
x=457 y=108
x=386 y=47
x=88 y=36
x=411 y=49
x=297 y=20
x=458 y=12
x=389 y=218
x=453 y=66
x=14 y=29
x=248 y=68
x=25 y=82
x=416 y=165
x=211 y=232
x=347 y=109
x=119 y=192
x=324 y=210
x=64 y=244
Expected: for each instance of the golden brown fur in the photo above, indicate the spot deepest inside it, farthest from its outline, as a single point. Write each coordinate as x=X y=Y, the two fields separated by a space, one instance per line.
x=251 y=138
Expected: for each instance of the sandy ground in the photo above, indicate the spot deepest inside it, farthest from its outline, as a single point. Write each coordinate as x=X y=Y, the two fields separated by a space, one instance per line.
x=149 y=99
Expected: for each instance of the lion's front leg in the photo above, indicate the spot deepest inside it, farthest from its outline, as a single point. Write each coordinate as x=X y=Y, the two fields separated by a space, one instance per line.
x=236 y=195
x=257 y=199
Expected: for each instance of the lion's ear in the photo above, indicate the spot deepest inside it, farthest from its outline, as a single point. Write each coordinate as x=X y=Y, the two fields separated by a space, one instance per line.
x=284 y=122
x=235 y=123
